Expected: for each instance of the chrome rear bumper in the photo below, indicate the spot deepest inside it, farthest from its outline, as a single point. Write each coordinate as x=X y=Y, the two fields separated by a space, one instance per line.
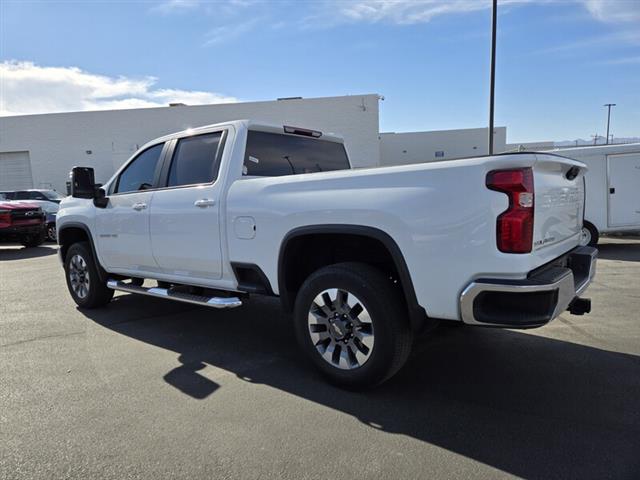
x=542 y=296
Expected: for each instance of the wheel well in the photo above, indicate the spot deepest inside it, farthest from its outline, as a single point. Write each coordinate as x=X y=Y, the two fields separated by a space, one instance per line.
x=69 y=236
x=303 y=254
x=79 y=233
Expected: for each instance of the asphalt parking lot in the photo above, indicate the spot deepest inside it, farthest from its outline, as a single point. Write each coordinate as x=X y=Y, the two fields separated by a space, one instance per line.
x=147 y=388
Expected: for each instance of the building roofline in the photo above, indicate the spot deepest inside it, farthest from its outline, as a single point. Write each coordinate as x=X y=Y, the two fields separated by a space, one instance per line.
x=183 y=107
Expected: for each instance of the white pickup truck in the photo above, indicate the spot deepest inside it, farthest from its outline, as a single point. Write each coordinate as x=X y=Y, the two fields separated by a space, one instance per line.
x=362 y=258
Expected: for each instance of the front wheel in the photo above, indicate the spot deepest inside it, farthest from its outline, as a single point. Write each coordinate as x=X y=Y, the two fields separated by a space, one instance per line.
x=83 y=281
x=352 y=324
x=33 y=239
x=51 y=232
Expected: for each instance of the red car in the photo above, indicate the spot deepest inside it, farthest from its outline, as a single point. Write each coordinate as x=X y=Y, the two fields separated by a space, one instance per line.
x=22 y=221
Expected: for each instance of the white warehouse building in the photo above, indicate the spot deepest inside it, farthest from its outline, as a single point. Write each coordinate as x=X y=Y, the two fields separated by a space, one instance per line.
x=434 y=146
x=38 y=151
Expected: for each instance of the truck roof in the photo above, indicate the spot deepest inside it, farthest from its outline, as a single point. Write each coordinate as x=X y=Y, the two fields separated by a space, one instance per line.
x=254 y=125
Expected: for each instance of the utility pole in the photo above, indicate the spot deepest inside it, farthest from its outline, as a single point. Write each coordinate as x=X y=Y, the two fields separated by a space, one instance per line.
x=494 y=21
x=608 y=105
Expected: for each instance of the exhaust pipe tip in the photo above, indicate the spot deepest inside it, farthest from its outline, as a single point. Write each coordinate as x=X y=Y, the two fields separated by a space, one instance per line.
x=580 y=306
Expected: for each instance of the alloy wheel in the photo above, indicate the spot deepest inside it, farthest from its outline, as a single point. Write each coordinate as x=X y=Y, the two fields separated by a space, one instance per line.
x=585 y=238
x=79 y=276
x=51 y=233
x=341 y=329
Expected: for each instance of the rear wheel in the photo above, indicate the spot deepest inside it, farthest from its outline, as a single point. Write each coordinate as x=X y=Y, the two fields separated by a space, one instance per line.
x=83 y=281
x=590 y=235
x=351 y=323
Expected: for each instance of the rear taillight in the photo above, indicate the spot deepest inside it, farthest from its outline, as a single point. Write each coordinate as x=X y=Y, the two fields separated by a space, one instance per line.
x=515 y=225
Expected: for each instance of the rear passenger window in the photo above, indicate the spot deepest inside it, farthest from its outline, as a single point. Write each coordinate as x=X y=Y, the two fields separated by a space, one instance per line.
x=140 y=173
x=196 y=160
x=274 y=154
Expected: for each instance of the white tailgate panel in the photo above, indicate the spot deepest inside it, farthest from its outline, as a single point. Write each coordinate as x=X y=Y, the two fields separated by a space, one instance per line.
x=559 y=203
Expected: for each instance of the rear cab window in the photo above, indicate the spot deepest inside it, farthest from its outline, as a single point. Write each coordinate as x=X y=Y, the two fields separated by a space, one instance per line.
x=277 y=154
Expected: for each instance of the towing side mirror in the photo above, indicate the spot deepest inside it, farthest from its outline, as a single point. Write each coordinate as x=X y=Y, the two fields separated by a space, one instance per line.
x=83 y=184
x=100 y=199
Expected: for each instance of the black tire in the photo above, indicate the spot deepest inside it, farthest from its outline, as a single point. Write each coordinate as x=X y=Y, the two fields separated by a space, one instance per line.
x=33 y=239
x=97 y=293
x=393 y=336
x=51 y=232
x=590 y=235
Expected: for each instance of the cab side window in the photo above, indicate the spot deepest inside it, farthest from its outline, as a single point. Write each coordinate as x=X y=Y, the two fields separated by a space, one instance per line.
x=37 y=196
x=196 y=160
x=140 y=173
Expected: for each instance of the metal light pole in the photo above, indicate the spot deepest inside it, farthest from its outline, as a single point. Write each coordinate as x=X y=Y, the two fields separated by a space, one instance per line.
x=494 y=20
x=608 y=105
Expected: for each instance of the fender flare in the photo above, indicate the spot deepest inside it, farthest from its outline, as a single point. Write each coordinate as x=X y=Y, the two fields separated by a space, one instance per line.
x=102 y=273
x=417 y=314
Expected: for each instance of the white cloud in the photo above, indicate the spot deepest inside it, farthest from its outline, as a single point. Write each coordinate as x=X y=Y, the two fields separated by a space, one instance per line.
x=174 y=6
x=212 y=7
x=229 y=32
x=614 y=11
x=622 y=61
x=403 y=12
x=29 y=88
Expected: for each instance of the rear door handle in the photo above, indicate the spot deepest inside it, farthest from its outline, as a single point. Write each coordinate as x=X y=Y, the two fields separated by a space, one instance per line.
x=204 y=203
x=139 y=206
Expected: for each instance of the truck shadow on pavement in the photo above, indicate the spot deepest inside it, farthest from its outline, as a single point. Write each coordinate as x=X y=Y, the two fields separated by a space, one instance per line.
x=22 y=253
x=626 y=252
x=531 y=406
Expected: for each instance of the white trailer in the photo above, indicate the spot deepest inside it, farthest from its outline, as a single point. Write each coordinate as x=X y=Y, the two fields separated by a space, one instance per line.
x=612 y=188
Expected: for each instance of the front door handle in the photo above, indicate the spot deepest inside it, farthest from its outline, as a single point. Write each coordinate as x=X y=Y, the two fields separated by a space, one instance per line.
x=204 y=203
x=139 y=206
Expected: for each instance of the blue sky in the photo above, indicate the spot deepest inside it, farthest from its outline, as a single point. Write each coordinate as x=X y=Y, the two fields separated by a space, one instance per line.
x=558 y=61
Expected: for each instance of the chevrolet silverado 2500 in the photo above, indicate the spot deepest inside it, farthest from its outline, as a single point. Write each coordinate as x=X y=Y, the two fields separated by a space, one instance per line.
x=362 y=258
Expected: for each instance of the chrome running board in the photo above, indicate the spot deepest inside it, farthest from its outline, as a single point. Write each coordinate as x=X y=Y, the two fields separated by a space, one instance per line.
x=213 y=302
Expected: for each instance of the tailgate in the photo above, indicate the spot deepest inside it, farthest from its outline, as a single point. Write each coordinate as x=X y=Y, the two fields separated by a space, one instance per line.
x=559 y=200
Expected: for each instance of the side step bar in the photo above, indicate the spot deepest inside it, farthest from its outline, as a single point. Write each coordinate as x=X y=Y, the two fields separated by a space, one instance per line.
x=213 y=302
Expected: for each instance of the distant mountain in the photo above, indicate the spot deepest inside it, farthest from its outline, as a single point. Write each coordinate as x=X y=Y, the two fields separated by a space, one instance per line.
x=580 y=141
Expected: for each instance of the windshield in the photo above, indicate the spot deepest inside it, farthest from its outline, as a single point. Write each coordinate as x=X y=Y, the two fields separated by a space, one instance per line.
x=52 y=195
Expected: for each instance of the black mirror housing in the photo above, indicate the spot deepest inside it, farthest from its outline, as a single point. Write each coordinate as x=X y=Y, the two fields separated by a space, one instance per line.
x=100 y=199
x=83 y=184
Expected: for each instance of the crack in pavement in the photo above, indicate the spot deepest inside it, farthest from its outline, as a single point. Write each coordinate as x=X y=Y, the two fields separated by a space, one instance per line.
x=43 y=337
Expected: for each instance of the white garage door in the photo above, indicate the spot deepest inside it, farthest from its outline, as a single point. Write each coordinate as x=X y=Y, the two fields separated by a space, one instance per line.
x=15 y=171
